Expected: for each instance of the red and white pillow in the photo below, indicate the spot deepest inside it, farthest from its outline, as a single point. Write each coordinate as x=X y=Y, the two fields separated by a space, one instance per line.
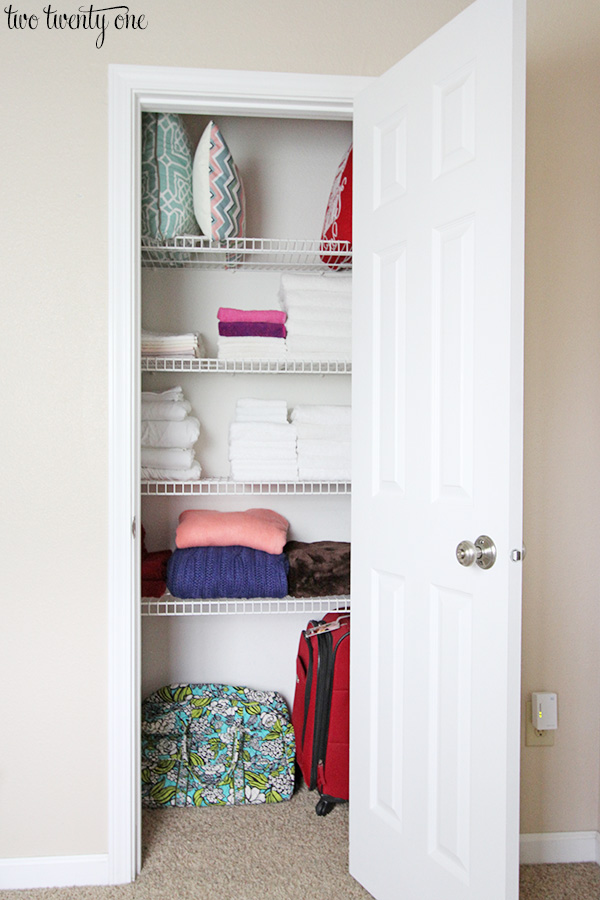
x=338 y=216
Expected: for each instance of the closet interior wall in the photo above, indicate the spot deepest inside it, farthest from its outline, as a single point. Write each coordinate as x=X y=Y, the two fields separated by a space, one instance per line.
x=288 y=167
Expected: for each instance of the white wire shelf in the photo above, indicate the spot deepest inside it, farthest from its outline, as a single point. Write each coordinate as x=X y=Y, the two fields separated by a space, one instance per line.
x=167 y=605
x=227 y=486
x=192 y=251
x=246 y=366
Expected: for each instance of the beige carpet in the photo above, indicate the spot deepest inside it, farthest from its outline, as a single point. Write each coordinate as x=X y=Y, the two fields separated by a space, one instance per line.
x=273 y=852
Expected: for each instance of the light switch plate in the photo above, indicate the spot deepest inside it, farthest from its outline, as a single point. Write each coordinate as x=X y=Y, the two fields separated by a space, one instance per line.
x=533 y=737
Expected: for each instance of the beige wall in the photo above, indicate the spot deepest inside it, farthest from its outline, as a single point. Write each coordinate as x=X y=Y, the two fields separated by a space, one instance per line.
x=53 y=651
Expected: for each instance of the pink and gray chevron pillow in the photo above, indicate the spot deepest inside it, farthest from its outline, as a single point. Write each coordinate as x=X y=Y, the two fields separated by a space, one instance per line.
x=219 y=202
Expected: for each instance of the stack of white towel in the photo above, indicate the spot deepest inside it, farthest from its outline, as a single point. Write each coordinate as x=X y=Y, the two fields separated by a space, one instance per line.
x=319 y=316
x=165 y=344
x=168 y=435
x=323 y=442
x=262 y=443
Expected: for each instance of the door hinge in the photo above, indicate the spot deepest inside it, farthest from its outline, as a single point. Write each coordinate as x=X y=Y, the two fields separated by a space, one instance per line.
x=133 y=528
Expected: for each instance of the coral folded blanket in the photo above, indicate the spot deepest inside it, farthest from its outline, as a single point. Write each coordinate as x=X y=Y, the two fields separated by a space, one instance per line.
x=260 y=529
x=252 y=329
x=212 y=572
x=227 y=314
x=318 y=569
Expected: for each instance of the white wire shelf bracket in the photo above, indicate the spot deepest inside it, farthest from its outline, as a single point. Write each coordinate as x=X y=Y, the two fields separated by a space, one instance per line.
x=227 y=486
x=167 y=605
x=192 y=251
x=245 y=366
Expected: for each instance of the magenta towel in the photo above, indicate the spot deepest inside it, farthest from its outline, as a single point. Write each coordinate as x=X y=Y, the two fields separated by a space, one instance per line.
x=256 y=329
x=226 y=314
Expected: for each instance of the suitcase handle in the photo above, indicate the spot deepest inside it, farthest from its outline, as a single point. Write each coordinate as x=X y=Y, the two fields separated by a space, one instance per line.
x=323 y=627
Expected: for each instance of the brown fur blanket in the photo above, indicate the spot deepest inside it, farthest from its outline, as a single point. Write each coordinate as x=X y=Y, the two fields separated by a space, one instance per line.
x=318 y=569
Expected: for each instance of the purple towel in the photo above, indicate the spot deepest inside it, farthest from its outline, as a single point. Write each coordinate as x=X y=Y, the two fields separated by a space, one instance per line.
x=253 y=329
x=211 y=572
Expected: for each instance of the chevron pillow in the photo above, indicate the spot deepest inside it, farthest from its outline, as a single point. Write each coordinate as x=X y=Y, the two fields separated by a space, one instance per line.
x=167 y=200
x=219 y=202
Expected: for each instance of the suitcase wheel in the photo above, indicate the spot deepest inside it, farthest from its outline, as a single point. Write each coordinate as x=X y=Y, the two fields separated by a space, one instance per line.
x=323 y=807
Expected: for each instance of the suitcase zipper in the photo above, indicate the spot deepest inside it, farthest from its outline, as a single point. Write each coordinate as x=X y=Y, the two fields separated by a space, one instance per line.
x=322 y=704
x=325 y=711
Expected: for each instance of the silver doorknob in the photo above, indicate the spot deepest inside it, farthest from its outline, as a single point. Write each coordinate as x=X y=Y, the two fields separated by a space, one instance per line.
x=482 y=552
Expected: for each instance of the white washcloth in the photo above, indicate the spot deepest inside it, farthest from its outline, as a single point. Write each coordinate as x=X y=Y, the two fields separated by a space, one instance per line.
x=175 y=410
x=150 y=473
x=165 y=433
x=324 y=449
x=167 y=458
x=332 y=283
x=254 y=470
x=175 y=393
x=307 y=431
x=322 y=414
x=262 y=431
x=324 y=473
x=167 y=344
x=267 y=450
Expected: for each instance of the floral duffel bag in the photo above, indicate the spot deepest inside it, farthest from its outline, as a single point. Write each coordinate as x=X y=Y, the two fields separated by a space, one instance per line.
x=205 y=744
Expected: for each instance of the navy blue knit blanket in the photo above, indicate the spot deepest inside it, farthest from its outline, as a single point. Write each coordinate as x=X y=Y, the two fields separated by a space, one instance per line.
x=211 y=572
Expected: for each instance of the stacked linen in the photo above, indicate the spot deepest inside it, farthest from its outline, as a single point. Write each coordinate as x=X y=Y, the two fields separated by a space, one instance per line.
x=262 y=443
x=319 y=316
x=166 y=344
x=229 y=554
x=251 y=333
x=168 y=433
x=324 y=451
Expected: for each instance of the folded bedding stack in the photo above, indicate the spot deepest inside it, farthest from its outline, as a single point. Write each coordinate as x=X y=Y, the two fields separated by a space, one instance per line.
x=251 y=333
x=154 y=570
x=318 y=569
x=319 y=316
x=166 y=344
x=262 y=443
x=168 y=435
x=229 y=554
x=323 y=442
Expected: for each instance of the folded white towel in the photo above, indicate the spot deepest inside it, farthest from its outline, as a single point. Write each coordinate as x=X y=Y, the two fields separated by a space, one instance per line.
x=151 y=473
x=247 y=416
x=322 y=414
x=324 y=449
x=167 y=344
x=318 y=313
x=324 y=473
x=333 y=283
x=338 y=332
x=308 y=431
x=167 y=458
x=165 y=433
x=175 y=410
x=251 y=348
x=323 y=300
x=269 y=471
x=262 y=450
x=297 y=343
x=175 y=393
x=262 y=431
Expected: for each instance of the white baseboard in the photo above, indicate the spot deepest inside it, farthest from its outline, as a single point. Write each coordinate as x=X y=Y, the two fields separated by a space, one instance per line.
x=560 y=847
x=53 y=871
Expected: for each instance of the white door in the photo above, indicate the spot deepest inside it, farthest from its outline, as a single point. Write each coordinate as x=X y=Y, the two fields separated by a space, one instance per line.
x=437 y=390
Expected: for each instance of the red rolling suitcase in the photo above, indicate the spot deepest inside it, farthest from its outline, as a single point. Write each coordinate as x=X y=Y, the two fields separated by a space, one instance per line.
x=320 y=712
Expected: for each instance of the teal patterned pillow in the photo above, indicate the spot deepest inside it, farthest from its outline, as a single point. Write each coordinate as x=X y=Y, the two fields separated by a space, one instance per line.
x=167 y=199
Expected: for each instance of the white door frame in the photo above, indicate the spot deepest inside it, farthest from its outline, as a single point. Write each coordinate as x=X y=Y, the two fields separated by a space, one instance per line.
x=133 y=89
